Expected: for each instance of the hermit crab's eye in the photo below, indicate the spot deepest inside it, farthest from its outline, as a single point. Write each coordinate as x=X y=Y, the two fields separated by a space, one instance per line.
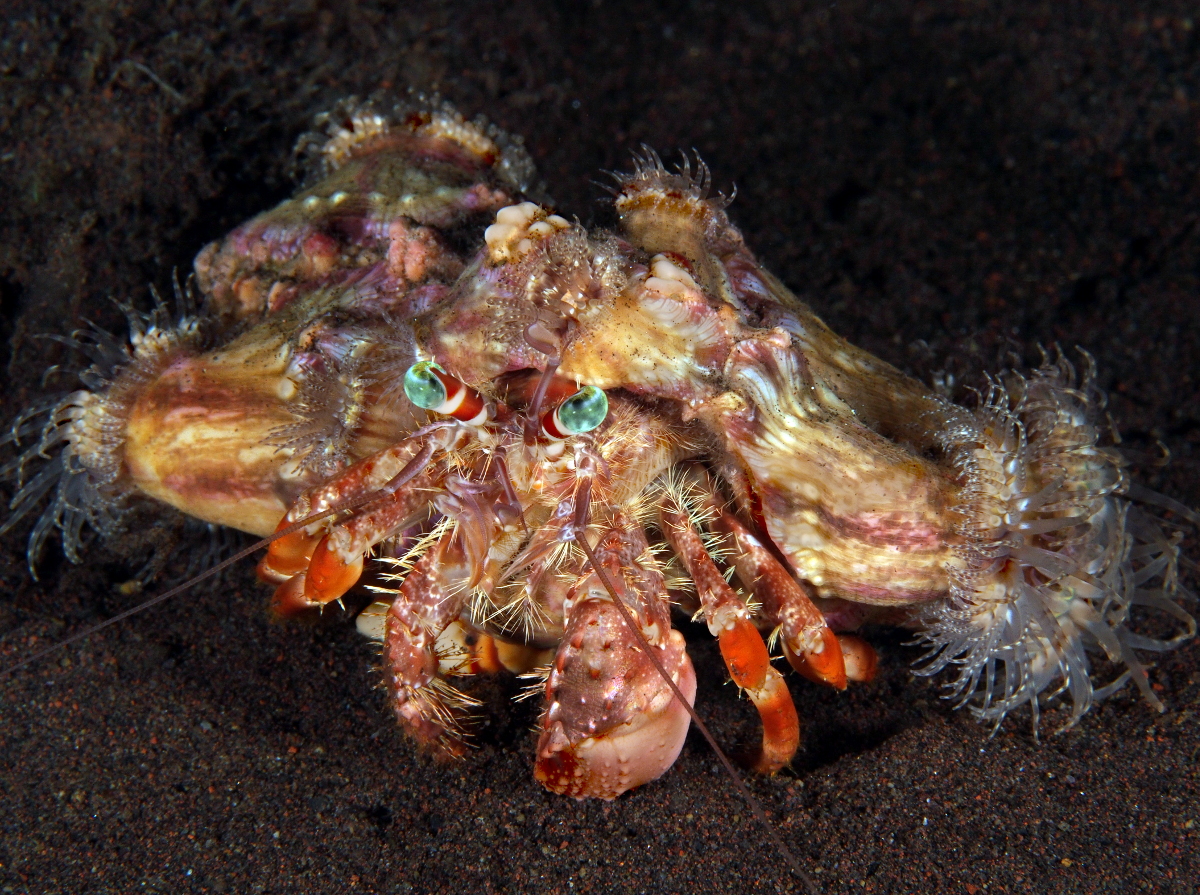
x=582 y=412
x=423 y=387
x=429 y=386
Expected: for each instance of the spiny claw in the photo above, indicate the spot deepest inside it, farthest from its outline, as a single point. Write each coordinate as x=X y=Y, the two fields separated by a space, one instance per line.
x=427 y=603
x=325 y=578
x=599 y=739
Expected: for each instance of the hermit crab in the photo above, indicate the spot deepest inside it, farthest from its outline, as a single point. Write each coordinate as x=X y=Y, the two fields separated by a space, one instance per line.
x=537 y=442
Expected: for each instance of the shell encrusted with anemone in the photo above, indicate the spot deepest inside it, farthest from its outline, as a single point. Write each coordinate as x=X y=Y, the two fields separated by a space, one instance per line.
x=551 y=436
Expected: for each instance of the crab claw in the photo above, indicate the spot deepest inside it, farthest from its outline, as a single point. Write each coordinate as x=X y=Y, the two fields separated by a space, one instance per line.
x=332 y=571
x=315 y=568
x=287 y=555
x=327 y=578
x=612 y=723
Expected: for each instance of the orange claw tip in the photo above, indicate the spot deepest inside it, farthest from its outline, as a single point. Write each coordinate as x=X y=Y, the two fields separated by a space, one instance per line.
x=289 y=599
x=745 y=654
x=268 y=574
x=288 y=555
x=861 y=659
x=329 y=576
x=828 y=666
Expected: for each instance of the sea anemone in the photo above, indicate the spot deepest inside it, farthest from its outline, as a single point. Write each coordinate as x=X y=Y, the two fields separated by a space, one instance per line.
x=75 y=452
x=1054 y=556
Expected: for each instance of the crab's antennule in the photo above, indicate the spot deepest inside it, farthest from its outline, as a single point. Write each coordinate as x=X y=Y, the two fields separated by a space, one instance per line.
x=191 y=582
x=539 y=396
x=756 y=806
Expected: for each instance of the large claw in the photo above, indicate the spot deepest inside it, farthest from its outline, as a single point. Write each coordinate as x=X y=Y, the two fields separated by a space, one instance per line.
x=612 y=722
x=309 y=571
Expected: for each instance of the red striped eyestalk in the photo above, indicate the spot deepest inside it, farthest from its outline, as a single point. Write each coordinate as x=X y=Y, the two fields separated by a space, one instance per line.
x=429 y=386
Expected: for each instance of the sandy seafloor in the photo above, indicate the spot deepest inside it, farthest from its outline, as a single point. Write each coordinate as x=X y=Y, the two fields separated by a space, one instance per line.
x=944 y=182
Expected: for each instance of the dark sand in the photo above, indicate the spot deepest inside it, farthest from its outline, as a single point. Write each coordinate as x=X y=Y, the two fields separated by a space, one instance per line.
x=941 y=181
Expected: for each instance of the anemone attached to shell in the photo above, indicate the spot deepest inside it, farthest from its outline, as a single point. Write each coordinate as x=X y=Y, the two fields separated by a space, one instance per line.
x=1054 y=557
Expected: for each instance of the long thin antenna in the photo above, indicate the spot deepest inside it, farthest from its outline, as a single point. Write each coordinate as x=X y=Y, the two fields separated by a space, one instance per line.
x=399 y=480
x=410 y=470
x=154 y=601
x=407 y=473
x=755 y=805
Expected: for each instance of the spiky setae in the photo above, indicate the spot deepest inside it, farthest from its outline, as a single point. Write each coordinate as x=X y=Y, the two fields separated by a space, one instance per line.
x=555 y=435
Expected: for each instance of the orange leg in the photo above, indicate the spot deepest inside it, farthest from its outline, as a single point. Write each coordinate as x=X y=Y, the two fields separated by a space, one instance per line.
x=741 y=645
x=749 y=665
x=809 y=644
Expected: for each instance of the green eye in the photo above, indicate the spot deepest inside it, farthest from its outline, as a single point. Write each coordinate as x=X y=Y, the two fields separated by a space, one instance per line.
x=584 y=410
x=423 y=387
